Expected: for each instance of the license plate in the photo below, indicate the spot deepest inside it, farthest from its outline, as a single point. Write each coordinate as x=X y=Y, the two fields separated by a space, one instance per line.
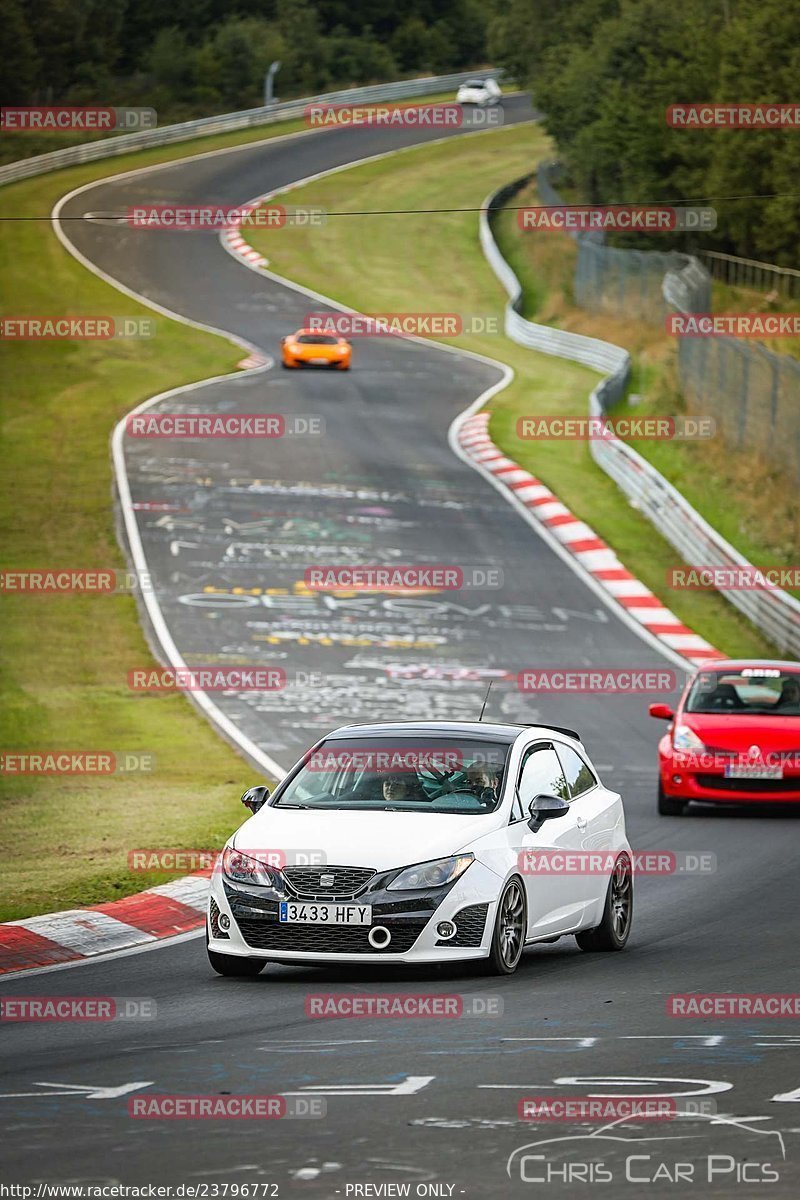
x=319 y=362
x=759 y=772
x=325 y=914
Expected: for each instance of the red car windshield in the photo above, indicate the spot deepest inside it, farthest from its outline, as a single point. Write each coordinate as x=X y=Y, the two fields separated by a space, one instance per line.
x=755 y=691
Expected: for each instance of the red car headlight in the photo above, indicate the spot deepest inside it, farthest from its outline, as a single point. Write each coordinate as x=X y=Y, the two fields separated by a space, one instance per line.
x=687 y=741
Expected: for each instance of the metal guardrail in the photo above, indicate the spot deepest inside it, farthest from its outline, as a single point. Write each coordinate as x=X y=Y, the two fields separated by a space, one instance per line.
x=612 y=361
x=774 y=612
x=24 y=168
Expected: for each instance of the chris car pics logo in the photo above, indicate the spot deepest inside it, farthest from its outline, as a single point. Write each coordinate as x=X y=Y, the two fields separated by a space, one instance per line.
x=725 y=1152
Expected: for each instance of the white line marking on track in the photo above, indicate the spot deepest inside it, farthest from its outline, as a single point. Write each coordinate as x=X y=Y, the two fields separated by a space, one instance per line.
x=89 y=1091
x=407 y=1087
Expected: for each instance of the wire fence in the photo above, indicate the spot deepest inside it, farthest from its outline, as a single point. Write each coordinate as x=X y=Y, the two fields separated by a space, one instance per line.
x=752 y=392
x=611 y=280
x=752 y=275
x=754 y=396
x=773 y=611
x=627 y=282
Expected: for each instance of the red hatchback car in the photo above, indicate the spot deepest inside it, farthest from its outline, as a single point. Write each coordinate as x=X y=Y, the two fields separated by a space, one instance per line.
x=735 y=737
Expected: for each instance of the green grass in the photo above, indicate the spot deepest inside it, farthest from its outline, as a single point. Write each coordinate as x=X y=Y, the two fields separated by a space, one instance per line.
x=416 y=261
x=730 y=298
x=754 y=506
x=65 y=840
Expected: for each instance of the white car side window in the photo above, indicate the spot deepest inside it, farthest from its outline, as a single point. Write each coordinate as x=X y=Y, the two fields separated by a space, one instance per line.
x=578 y=774
x=541 y=774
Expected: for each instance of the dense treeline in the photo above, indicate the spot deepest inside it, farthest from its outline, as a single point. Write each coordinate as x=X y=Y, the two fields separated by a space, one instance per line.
x=604 y=72
x=189 y=58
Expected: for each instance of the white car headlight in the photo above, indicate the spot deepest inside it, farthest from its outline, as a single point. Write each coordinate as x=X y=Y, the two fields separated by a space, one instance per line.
x=431 y=874
x=241 y=868
x=685 y=738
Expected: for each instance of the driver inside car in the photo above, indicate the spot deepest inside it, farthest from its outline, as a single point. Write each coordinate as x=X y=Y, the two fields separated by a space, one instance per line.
x=724 y=695
x=481 y=781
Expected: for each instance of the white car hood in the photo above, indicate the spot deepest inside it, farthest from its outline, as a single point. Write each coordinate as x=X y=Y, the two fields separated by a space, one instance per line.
x=360 y=839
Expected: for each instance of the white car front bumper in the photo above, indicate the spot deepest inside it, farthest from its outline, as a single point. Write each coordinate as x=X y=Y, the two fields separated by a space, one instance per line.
x=478 y=886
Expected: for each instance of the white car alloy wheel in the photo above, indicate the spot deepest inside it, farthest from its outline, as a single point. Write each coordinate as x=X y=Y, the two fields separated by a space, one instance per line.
x=614 y=930
x=509 y=935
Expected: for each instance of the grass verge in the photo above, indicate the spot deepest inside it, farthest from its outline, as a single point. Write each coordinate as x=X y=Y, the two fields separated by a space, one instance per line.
x=753 y=505
x=415 y=262
x=64 y=840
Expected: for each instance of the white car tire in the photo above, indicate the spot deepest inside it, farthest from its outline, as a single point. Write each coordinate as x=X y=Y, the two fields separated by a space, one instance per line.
x=614 y=930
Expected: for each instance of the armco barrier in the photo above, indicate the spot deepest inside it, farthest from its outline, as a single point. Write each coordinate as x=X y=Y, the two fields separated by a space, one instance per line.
x=773 y=611
x=226 y=122
x=612 y=361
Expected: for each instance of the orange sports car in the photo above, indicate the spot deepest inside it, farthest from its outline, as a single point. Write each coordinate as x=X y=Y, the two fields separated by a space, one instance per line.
x=310 y=348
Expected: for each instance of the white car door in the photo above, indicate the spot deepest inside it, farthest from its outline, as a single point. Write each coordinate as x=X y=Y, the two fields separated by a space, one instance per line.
x=598 y=815
x=556 y=898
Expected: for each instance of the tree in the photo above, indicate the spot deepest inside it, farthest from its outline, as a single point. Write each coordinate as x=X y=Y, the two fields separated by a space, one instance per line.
x=18 y=54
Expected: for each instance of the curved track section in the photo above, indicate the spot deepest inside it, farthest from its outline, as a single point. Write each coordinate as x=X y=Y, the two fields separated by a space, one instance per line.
x=381 y=485
x=409 y=1102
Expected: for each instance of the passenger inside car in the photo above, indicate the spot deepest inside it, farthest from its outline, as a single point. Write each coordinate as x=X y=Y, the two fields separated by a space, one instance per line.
x=790 y=694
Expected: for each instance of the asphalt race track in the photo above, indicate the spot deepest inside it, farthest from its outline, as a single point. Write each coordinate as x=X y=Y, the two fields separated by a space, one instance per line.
x=431 y=1104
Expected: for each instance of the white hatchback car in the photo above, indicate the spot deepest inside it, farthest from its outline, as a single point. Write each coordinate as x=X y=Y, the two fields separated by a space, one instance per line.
x=422 y=843
x=479 y=91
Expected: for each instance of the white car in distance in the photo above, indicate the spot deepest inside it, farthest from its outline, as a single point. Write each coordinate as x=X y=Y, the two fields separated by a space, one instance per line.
x=482 y=92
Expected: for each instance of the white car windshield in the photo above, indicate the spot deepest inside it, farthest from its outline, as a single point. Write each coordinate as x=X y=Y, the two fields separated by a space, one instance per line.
x=401 y=775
